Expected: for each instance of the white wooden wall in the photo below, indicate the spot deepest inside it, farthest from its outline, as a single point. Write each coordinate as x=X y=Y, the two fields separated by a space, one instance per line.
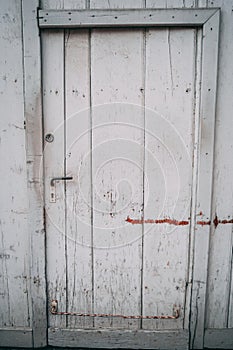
x=15 y=252
x=21 y=266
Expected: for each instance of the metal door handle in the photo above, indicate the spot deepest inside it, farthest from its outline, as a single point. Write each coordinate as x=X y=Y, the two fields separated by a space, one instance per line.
x=53 y=189
x=52 y=182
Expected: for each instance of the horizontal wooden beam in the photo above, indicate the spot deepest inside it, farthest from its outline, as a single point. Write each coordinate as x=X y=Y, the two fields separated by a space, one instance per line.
x=16 y=337
x=124 y=18
x=219 y=338
x=118 y=339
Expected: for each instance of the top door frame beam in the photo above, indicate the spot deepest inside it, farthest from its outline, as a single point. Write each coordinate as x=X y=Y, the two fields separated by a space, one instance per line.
x=124 y=18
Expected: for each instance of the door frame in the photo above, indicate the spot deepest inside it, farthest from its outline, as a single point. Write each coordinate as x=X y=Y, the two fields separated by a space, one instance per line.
x=207 y=20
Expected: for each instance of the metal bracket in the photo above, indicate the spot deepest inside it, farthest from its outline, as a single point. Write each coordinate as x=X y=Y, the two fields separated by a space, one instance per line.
x=54 y=304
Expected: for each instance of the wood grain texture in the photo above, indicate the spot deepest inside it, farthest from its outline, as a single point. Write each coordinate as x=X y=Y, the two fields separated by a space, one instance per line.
x=119 y=339
x=33 y=117
x=14 y=246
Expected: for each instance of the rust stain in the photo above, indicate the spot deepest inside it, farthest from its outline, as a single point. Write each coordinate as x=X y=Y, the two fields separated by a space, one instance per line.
x=157 y=221
x=226 y=221
x=203 y=223
x=216 y=221
x=174 y=222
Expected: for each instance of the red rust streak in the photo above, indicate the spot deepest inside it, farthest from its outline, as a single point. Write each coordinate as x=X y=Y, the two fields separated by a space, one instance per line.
x=157 y=221
x=217 y=221
x=226 y=221
x=203 y=223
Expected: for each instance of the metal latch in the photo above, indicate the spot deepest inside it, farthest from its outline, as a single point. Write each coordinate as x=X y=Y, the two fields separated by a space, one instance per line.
x=53 y=187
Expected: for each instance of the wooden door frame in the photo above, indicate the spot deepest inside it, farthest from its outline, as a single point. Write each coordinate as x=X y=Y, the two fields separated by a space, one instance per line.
x=36 y=334
x=208 y=21
x=34 y=143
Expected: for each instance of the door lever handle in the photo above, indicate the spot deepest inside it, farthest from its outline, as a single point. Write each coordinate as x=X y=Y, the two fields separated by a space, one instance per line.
x=53 y=189
x=52 y=182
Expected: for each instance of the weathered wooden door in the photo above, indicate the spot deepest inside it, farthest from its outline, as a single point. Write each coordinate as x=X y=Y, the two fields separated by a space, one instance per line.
x=121 y=126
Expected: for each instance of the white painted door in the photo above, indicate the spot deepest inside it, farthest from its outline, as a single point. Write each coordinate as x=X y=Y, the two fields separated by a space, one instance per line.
x=120 y=106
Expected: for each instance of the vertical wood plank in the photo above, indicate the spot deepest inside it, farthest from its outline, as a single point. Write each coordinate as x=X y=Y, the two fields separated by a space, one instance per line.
x=117 y=82
x=204 y=188
x=33 y=116
x=53 y=108
x=78 y=193
x=195 y=162
x=117 y=172
x=187 y=97
x=219 y=311
x=169 y=144
x=69 y=244
x=14 y=246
